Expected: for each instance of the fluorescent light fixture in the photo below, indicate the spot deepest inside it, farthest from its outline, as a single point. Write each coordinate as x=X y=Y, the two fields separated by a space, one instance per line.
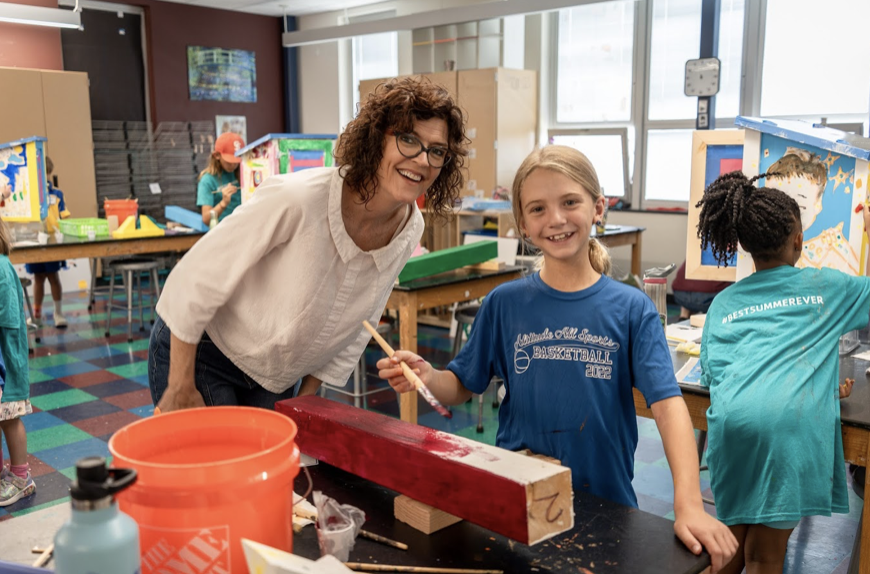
x=39 y=16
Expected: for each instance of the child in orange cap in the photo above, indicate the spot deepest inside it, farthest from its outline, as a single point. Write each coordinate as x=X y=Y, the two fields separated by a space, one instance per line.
x=217 y=191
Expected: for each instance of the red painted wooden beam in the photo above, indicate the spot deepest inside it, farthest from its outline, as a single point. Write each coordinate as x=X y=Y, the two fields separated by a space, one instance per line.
x=523 y=498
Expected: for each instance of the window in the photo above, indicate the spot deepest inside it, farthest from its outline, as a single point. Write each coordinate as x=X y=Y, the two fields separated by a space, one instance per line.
x=668 y=165
x=374 y=56
x=675 y=38
x=731 y=55
x=606 y=149
x=594 y=62
x=814 y=58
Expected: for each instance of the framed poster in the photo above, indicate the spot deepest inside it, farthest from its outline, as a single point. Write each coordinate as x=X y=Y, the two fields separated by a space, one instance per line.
x=233 y=124
x=715 y=152
x=222 y=75
x=22 y=168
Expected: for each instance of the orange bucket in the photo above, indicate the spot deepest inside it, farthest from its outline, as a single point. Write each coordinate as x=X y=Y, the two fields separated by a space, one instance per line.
x=123 y=208
x=207 y=478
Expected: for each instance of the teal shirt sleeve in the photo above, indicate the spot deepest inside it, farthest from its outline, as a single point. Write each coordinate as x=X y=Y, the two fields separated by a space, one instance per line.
x=855 y=302
x=204 y=189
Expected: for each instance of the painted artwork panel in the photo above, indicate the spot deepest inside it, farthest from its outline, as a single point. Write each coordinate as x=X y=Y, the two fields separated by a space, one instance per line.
x=822 y=183
x=22 y=168
x=721 y=159
x=222 y=75
x=232 y=124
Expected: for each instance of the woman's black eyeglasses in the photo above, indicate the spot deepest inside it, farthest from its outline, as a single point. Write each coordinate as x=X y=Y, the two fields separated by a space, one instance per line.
x=410 y=146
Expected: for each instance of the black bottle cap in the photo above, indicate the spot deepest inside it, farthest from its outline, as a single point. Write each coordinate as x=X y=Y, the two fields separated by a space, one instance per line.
x=94 y=481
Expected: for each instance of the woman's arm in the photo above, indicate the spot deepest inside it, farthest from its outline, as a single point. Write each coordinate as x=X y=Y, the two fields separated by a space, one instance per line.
x=181 y=390
x=692 y=523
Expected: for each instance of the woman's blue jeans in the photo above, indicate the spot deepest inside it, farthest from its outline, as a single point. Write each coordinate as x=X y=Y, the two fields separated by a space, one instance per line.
x=218 y=380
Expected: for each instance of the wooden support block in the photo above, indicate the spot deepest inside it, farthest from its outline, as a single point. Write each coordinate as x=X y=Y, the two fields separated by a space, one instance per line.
x=427 y=519
x=521 y=498
x=491 y=265
x=447 y=259
x=697 y=320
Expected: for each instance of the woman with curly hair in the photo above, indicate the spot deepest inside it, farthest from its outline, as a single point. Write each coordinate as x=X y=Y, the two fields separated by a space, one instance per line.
x=307 y=259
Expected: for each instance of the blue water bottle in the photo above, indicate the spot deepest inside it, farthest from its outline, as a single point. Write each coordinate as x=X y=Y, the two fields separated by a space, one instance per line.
x=98 y=538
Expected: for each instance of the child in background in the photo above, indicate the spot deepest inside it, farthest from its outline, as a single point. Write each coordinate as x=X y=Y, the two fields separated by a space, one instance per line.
x=769 y=355
x=219 y=182
x=50 y=269
x=15 y=482
x=570 y=344
x=693 y=295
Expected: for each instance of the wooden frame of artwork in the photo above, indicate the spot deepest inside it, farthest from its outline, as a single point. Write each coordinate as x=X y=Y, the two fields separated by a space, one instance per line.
x=22 y=166
x=708 y=148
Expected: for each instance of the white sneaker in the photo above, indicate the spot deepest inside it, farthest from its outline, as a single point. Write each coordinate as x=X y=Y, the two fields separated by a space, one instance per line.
x=59 y=321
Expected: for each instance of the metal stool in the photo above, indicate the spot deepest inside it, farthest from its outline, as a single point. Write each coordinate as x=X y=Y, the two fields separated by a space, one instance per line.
x=105 y=265
x=32 y=327
x=131 y=270
x=465 y=317
x=360 y=380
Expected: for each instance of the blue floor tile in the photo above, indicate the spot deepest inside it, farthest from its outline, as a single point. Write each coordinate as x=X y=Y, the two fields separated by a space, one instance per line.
x=115 y=360
x=113 y=388
x=141 y=379
x=48 y=387
x=67 y=455
x=143 y=412
x=39 y=421
x=60 y=371
x=98 y=352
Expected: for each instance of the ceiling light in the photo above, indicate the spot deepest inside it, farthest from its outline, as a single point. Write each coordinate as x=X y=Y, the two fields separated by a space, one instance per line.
x=39 y=16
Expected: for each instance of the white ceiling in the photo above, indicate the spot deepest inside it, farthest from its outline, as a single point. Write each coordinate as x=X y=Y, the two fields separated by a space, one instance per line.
x=280 y=7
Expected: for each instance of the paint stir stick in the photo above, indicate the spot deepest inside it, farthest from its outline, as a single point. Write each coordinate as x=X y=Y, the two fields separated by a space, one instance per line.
x=409 y=374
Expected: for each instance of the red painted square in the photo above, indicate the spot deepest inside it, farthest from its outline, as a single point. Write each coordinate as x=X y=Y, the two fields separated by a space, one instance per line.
x=729 y=165
x=88 y=379
x=106 y=424
x=131 y=400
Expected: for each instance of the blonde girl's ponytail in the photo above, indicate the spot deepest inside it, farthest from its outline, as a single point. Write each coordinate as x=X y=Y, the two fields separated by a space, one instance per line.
x=599 y=257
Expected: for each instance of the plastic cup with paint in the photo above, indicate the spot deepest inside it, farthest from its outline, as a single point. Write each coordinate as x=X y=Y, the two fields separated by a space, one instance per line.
x=42 y=238
x=58 y=237
x=91 y=234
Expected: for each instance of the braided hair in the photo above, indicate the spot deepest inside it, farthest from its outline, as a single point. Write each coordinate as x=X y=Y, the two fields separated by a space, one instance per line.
x=734 y=210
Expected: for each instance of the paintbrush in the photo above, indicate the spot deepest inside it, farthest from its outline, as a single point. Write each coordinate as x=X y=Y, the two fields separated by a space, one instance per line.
x=409 y=374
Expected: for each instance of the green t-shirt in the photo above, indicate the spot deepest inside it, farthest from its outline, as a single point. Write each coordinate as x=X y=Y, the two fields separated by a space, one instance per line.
x=769 y=355
x=209 y=184
x=13 y=334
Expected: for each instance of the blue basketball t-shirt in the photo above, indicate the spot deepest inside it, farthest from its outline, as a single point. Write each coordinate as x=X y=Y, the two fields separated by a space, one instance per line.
x=569 y=362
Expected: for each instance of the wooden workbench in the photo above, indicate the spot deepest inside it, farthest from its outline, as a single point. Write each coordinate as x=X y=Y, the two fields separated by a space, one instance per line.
x=78 y=247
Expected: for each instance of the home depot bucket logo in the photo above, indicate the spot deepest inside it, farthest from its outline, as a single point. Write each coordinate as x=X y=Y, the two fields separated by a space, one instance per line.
x=185 y=551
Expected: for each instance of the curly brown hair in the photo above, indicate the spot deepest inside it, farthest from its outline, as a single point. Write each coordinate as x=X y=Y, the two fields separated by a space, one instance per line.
x=396 y=105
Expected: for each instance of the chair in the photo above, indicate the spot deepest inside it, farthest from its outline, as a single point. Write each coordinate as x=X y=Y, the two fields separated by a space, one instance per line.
x=32 y=327
x=131 y=270
x=360 y=381
x=105 y=266
x=465 y=318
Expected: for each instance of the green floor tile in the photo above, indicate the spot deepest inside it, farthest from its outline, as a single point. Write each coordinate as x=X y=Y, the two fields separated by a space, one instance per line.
x=140 y=345
x=136 y=369
x=52 y=437
x=64 y=500
x=38 y=376
x=62 y=399
x=70 y=472
x=52 y=361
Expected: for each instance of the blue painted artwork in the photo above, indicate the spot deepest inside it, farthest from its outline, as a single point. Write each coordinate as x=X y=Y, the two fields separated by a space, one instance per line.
x=221 y=75
x=821 y=182
x=721 y=159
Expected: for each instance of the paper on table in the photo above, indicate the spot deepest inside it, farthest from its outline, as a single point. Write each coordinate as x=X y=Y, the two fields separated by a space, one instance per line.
x=267 y=560
x=684 y=333
x=690 y=373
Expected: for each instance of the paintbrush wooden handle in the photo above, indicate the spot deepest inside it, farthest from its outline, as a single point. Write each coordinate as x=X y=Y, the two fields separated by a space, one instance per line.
x=409 y=373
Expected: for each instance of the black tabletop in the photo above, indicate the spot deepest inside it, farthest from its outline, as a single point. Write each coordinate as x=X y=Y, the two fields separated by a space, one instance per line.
x=854 y=410
x=607 y=537
x=455 y=276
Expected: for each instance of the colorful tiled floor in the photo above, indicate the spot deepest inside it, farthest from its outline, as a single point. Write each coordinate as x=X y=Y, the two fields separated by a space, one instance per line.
x=85 y=386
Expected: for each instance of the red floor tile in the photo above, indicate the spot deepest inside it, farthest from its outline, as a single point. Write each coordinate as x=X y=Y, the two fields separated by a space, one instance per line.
x=88 y=379
x=131 y=400
x=107 y=424
x=37 y=467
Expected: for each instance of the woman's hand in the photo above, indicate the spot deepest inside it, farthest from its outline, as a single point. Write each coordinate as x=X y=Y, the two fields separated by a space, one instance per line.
x=390 y=369
x=846 y=388
x=180 y=398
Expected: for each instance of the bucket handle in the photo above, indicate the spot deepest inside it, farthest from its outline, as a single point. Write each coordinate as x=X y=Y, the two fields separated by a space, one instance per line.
x=310 y=486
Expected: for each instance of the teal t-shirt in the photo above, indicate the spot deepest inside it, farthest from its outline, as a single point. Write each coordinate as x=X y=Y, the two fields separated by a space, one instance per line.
x=769 y=355
x=13 y=334
x=209 y=183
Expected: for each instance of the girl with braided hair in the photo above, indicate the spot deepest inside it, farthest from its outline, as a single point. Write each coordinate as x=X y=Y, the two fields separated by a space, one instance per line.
x=769 y=355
